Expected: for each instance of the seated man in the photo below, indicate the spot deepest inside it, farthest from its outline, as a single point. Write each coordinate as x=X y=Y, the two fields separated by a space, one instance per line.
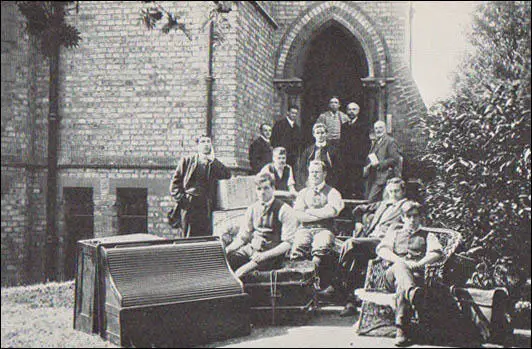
x=409 y=247
x=358 y=250
x=315 y=208
x=266 y=234
x=285 y=185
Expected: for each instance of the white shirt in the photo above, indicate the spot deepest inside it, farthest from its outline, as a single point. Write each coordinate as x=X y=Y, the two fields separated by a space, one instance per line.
x=290 y=122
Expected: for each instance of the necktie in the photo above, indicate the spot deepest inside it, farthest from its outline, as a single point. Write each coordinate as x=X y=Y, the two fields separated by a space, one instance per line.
x=264 y=214
x=318 y=153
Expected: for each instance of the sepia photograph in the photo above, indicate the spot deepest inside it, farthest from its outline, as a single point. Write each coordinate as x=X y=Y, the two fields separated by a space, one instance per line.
x=260 y=174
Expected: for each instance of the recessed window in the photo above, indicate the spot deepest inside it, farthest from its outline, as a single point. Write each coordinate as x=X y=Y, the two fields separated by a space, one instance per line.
x=132 y=210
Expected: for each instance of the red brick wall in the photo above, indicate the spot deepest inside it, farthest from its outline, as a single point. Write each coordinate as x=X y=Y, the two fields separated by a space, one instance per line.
x=131 y=102
x=255 y=69
x=24 y=130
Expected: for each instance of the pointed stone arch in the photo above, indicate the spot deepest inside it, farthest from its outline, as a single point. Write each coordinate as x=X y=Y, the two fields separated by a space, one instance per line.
x=350 y=17
x=371 y=45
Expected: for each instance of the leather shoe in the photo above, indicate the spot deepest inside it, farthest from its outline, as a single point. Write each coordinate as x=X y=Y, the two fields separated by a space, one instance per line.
x=401 y=340
x=416 y=297
x=349 y=310
x=327 y=292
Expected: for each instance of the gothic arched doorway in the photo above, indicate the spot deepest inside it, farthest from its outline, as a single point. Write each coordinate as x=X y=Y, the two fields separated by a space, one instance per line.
x=332 y=63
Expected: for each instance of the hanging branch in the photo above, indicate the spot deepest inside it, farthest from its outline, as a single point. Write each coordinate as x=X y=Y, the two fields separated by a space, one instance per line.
x=155 y=14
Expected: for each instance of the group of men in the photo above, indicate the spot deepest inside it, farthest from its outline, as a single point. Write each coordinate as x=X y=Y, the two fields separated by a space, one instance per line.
x=273 y=231
x=357 y=165
x=291 y=221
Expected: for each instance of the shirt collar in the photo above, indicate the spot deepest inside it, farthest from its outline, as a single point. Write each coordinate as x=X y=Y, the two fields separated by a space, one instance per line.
x=276 y=169
x=267 y=204
x=290 y=122
x=265 y=139
x=353 y=121
x=321 y=145
x=319 y=187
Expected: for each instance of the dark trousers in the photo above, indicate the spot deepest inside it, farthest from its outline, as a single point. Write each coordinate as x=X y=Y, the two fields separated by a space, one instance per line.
x=401 y=280
x=374 y=191
x=352 y=185
x=196 y=220
x=353 y=261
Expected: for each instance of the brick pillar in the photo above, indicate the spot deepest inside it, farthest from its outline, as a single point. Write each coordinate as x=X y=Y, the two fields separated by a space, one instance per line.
x=376 y=94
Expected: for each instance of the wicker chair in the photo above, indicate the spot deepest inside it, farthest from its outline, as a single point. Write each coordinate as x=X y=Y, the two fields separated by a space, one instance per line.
x=377 y=316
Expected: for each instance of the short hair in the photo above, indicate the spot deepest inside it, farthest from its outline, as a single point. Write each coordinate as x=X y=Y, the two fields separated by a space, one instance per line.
x=264 y=177
x=318 y=163
x=334 y=97
x=379 y=122
x=202 y=136
x=396 y=180
x=279 y=151
x=293 y=107
x=411 y=205
x=319 y=125
x=263 y=124
x=348 y=104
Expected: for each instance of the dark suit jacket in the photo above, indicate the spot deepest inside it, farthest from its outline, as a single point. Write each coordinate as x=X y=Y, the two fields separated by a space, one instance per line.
x=355 y=143
x=283 y=135
x=389 y=157
x=180 y=183
x=383 y=216
x=260 y=154
x=332 y=159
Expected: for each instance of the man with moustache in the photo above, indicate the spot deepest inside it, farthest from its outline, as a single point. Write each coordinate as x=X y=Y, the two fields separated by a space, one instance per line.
x=333 y=120
x=260 y=151
x=354 y=146
x=287 y=134
x=193 y=187
x=382 y=162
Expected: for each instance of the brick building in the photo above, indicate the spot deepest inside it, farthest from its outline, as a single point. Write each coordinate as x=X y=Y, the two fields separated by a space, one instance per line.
x=131 y=102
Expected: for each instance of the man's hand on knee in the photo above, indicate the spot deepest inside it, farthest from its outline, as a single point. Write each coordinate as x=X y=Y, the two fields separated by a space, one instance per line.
x=259 y=257
x=412 y=265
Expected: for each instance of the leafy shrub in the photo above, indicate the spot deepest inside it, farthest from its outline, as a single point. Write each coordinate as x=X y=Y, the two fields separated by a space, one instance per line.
x=479 y=144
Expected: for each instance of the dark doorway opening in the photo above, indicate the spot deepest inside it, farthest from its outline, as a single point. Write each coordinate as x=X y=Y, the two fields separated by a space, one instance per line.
x=79 y=221
x=333 y=63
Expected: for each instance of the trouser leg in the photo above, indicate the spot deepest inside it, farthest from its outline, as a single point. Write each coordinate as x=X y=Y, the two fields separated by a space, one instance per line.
x=302 y=244
x=354 y=263
x=399 y=279
x=322 y=255
x=196 y=222
x=238 y=258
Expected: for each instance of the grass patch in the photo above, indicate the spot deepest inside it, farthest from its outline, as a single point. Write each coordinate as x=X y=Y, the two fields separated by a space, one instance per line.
x=53 y=294
x=42 y=316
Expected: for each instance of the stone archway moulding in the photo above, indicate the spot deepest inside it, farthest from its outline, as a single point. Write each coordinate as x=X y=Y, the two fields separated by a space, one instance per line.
x=351 y=18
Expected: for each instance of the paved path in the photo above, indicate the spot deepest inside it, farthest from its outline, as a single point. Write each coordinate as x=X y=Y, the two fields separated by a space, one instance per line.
x=326 y=329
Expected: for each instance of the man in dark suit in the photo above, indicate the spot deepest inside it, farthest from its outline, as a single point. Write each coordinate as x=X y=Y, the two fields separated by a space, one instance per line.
x=354 y=144
x=383 y=161
x=321 y=150
x=358 y=250
x=260 y=150
x=287 y=134
x=193 y=186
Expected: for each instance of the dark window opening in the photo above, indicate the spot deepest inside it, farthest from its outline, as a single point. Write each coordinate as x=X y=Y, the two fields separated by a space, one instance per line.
x=79 y=223
x=132 y=210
